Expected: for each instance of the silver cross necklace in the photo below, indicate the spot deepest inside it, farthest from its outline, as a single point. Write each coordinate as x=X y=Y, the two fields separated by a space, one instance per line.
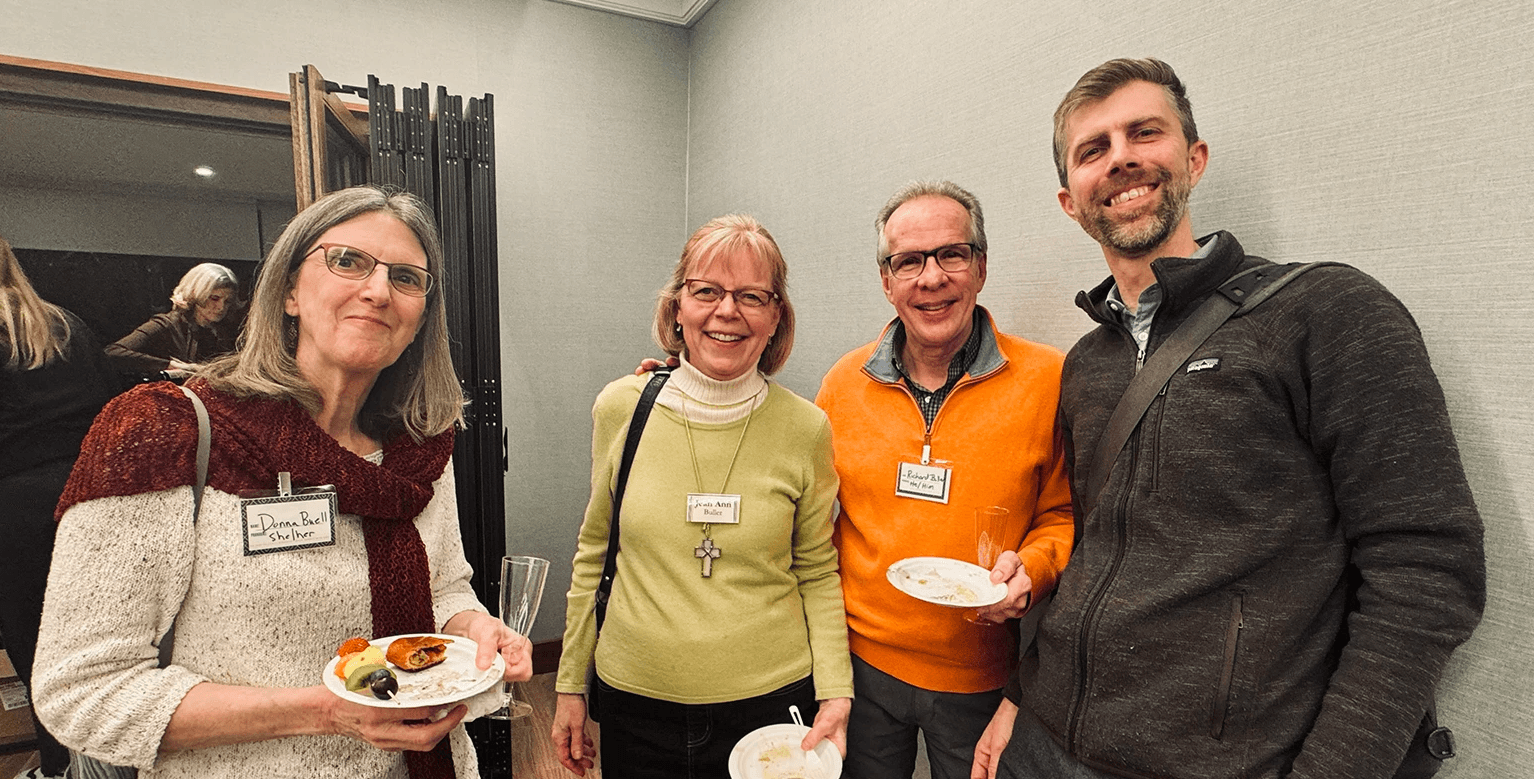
x=706 y=550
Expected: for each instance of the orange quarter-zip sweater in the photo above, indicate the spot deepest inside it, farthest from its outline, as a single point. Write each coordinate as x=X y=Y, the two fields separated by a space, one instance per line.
x=997 y=432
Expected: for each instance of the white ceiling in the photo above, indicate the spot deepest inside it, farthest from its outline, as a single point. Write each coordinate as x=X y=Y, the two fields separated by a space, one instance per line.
x=40 y=149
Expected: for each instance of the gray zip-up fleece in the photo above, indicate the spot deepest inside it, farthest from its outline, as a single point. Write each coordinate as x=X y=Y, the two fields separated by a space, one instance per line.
x=1286 y=552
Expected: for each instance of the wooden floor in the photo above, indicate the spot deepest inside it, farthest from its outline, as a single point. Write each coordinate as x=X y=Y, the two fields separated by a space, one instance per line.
x=532 y=753
x=13 y=764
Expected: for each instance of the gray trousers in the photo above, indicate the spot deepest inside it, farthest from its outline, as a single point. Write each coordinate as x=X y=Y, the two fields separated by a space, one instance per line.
x=1033 y=754
x=886 y=715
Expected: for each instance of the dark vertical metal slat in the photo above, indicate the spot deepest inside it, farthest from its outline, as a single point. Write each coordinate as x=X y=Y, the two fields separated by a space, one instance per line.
x=377 y=138
x=477 y=136
x=407 y=118
x=485 y=257
x=396 y=139
x=485 y=260
x=416 y=146
x=453 y=218
x=382 y=137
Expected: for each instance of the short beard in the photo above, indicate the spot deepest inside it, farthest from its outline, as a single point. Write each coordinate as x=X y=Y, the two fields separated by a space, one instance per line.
x=1135 y=240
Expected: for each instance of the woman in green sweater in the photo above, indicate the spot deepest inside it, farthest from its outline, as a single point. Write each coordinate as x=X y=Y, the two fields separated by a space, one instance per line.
x=727 y=605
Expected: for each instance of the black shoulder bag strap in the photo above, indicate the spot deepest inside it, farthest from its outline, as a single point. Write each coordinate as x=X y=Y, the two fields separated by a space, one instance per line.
x=1239 y=293
x=636 y=429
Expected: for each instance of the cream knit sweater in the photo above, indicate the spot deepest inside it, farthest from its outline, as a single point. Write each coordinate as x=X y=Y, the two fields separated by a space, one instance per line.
x=124 y=567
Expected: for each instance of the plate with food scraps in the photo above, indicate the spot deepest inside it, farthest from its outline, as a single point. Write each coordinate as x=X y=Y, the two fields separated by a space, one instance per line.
x=946 y=582
x=450 y=681
x=772 y=752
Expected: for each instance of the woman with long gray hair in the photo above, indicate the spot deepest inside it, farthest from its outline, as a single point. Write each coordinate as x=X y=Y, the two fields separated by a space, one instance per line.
x=342 y=379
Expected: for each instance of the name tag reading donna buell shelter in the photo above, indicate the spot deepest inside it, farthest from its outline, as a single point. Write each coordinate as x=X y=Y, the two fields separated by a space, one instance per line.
x=282 y=523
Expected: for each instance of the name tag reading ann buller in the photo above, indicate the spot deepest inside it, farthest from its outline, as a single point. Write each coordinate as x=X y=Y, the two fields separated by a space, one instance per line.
x=923 y=482
x=283 y=523
x=713 y=509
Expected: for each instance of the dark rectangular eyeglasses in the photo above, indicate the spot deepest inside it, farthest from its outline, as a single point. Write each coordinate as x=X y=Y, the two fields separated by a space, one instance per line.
x=352 y=263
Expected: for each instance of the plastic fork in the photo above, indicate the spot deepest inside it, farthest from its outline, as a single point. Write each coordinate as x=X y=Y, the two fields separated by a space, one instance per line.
x=813 y=768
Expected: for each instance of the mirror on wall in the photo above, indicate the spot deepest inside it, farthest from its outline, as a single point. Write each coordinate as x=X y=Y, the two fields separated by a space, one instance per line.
x=113 y=184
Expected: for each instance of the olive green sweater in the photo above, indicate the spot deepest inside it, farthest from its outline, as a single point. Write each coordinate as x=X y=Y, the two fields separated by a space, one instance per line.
x=770 y=614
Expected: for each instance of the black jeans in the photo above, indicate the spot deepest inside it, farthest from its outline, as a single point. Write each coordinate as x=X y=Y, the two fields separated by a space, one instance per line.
x=647 y=738
x=26 y=522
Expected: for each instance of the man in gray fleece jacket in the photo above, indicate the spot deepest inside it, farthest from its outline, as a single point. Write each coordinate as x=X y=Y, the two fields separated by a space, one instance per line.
x=1285 y=552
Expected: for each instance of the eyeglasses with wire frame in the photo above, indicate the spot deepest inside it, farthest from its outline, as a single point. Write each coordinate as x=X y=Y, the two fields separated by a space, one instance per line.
x=745 y=297
x=952 y=258
x=353 y=263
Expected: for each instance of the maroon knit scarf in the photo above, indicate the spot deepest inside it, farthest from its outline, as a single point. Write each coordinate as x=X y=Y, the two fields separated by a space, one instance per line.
x=146 y=440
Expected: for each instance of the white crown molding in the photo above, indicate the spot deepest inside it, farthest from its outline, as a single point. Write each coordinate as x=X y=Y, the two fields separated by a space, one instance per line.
x=680 y=13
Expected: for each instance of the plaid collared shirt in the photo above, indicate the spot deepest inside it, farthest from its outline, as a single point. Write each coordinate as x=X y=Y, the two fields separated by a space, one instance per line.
x=930 y=401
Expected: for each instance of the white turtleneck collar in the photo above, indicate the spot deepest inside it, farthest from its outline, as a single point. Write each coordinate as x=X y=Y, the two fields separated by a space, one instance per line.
x=708 y=400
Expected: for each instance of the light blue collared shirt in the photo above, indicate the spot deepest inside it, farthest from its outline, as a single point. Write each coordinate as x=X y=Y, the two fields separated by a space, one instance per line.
x=1138 y=320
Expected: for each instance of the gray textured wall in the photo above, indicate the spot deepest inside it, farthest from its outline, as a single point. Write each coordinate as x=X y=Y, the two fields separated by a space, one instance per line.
x=1384 y=134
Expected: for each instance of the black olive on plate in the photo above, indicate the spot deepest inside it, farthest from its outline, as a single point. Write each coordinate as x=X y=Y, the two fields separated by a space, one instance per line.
x=382 y=683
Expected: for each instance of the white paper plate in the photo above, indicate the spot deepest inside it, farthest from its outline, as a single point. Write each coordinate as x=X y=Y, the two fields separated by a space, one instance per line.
x=946 y=582
x=450 y=681
x=772 y=752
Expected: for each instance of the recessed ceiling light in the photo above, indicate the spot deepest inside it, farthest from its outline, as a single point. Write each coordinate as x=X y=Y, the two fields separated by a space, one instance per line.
x=205 y=171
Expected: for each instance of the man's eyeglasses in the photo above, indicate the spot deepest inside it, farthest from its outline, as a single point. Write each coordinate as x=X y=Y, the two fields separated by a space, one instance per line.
x=350 y=263
x=952 y=258
x=745 y=297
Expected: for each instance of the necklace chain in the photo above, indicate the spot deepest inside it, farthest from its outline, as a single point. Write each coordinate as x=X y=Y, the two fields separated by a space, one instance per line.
x=692 y=451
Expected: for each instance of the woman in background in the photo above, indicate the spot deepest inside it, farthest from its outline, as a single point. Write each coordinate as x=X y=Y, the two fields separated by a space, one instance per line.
x=343 y=378
x=713 y=628
x=189 y=335
x=52 y=383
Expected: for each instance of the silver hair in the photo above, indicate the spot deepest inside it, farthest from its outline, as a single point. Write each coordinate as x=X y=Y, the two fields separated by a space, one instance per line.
x=918 y=189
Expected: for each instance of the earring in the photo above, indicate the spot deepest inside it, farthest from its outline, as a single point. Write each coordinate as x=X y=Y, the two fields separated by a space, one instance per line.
x=293 y=330
x=678 y=328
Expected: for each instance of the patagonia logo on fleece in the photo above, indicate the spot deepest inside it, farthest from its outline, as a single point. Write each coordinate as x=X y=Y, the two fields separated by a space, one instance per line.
x=1207 y=364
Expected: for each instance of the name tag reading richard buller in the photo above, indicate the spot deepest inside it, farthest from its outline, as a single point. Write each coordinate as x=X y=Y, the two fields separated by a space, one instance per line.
x=713 y=509
x=282 y=523
x=923 y=482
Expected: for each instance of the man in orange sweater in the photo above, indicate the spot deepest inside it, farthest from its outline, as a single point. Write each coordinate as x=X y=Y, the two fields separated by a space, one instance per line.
x=940 y=416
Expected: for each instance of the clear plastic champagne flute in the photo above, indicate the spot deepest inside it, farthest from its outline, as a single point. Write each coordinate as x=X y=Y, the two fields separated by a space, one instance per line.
x=522 y=580
x=992 y=528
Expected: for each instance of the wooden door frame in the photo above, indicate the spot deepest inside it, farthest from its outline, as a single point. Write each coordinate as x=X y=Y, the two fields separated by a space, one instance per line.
x=78 y=89
x=316 y=114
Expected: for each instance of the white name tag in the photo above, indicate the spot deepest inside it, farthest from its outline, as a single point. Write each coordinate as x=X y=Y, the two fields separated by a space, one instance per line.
x=713 y=509
x=923 y=482
x=287 y=522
